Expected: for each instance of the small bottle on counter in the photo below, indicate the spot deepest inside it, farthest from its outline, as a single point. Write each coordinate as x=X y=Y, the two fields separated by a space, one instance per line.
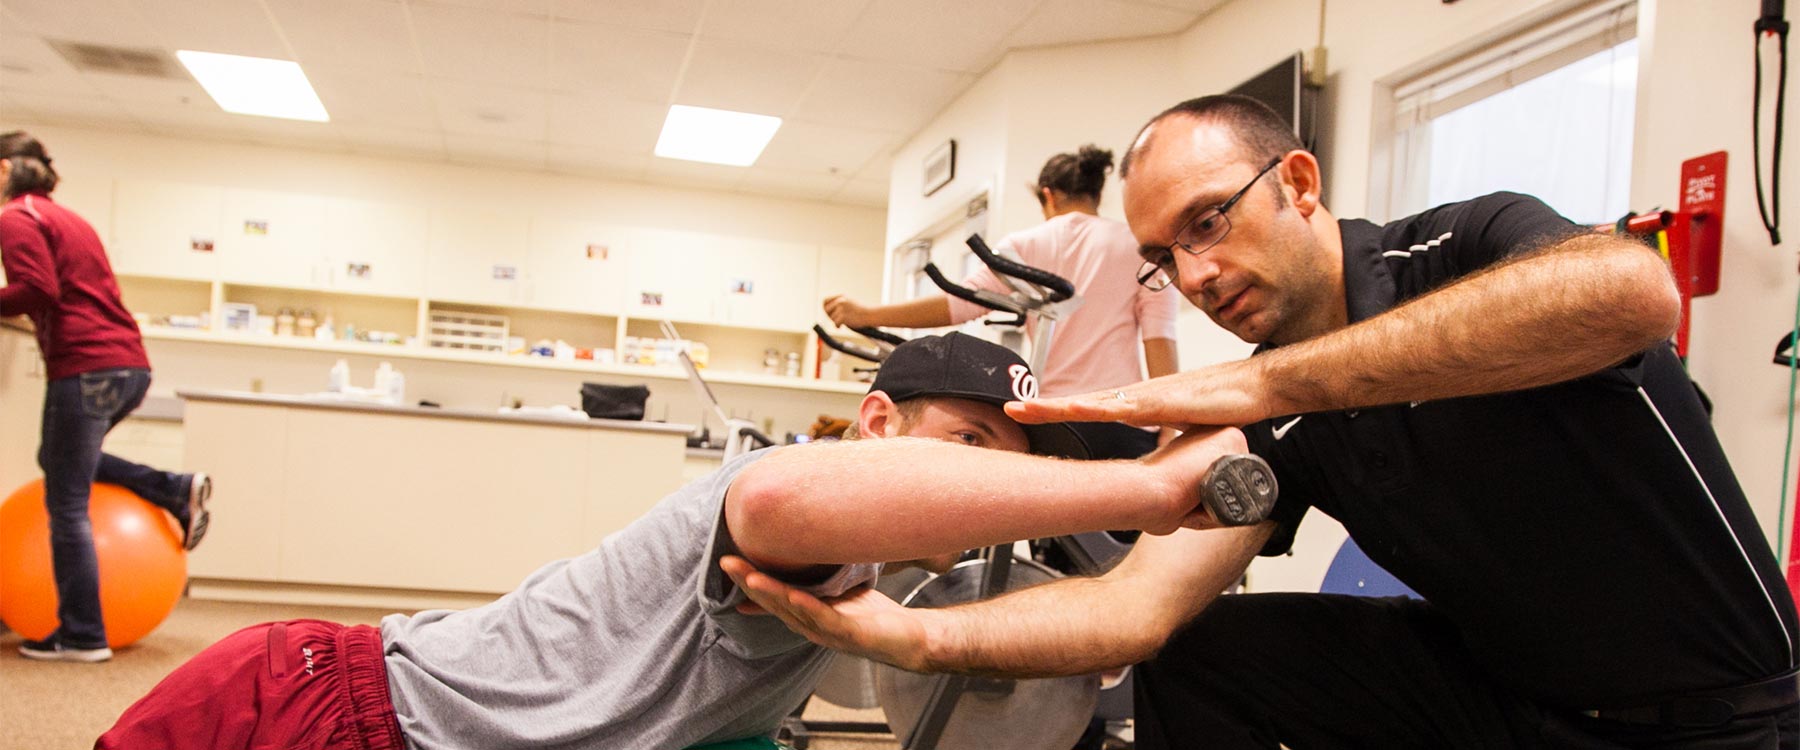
x=305 y=324
x=340 y=377
x=793 y=364
x=284 y=322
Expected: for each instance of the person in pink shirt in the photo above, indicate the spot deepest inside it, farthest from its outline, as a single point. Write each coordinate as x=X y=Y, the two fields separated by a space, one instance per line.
x=1095 y=348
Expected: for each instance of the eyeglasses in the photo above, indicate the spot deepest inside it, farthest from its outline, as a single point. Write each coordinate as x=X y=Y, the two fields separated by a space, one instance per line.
x=1206 y=229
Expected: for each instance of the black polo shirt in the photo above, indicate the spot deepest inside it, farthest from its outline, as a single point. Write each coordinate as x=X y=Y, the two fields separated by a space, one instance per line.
x=1588 y=538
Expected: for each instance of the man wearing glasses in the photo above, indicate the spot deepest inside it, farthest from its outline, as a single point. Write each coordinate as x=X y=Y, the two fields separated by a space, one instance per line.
x=1484 y=395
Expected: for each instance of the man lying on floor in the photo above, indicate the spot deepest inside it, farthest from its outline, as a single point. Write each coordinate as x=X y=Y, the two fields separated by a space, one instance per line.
x=638 y=643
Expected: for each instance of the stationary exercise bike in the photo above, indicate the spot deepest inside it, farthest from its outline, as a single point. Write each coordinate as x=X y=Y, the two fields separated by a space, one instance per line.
x=956 y=711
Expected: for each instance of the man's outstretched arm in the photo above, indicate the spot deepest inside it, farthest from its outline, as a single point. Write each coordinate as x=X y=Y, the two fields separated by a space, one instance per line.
x=1066 y=627
x=879 y=500
x=1556 y=314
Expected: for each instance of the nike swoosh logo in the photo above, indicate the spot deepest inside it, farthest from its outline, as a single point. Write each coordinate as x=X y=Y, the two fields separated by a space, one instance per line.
x=1282 y=431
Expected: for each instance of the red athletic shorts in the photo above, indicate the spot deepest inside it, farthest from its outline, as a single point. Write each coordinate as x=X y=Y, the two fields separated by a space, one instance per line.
x=302 y=683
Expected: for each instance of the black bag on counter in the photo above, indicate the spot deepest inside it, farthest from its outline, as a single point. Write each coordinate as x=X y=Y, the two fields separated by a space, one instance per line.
x=602 y=401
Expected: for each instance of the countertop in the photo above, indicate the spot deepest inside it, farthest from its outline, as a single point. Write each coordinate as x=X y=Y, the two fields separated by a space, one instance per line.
x=310 y=402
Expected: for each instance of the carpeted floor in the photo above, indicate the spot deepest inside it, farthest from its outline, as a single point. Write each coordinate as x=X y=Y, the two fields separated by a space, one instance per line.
x=58 y=706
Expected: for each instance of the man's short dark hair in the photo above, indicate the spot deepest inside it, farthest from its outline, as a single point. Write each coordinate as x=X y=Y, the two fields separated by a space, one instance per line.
x=1260 y=132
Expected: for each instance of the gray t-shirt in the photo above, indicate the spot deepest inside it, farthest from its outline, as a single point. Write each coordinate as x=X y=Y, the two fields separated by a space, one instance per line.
x=633 y=645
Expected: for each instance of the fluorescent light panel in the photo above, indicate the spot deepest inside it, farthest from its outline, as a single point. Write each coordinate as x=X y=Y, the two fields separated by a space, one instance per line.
x=715 y=136
x=255 y=85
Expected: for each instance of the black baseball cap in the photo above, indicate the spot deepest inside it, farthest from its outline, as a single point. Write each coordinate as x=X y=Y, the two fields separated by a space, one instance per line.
x=957 y=365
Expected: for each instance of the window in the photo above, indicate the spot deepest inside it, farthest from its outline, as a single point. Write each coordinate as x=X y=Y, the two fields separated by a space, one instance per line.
x=1547 y=112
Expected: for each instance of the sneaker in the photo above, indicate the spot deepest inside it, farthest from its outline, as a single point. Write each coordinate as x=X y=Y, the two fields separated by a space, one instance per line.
x=51 y=649
x=198 y=517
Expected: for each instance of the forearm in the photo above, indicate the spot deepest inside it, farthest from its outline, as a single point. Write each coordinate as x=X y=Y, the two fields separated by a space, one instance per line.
x=924 y=312
x=1558 y=314
x=1160 y=357
x=905 y=498
x=23 y=299
x=1083 y=625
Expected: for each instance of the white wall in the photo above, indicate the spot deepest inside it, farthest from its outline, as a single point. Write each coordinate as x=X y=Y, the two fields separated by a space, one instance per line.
x=977 y=120
x=1694 y=97
x=849 y=237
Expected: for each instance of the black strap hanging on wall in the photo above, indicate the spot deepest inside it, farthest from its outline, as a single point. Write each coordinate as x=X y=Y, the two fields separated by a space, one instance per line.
x=1772 y=22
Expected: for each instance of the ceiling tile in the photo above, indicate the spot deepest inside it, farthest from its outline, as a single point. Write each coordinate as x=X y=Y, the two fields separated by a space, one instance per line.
x=616 y=124
x=532 y=8
x=878 y=96
x=232 y=27
x=72 y=110
x=1065 y=21
x=292 y=133
x=157 y=91
x=1196 y=7
x=581 y=160
x=877 y=169
x=376 y=98
x=28 y=64
x=802 y=146
x=799 y=25
x=367 y=36
x=93 y=21
x=594 y=58
x=679 y=16
x=863 y=193
x=491 y=111
x=694 y=174
x=481 y=45
x=943 y=34
x=391 y=141
x=192 y=123
x=495 y=152
x=784 y=184
x=746 y=78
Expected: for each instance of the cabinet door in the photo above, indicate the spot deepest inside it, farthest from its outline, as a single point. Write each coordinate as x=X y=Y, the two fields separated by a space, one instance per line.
x=273 y=239
x=166 y=229
x=475 y=256
x=376 y=248
x=672 y=276
x=766 y=284
x=576 y=266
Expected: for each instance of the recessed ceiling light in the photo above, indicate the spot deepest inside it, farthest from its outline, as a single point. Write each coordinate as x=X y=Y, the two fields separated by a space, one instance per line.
x=255 y=85
x=715 y=136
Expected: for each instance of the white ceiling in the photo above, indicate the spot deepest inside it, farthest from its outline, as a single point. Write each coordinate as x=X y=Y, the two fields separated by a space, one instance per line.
x=568 y=86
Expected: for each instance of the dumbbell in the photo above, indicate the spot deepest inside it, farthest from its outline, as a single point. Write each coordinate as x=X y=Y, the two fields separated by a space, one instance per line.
x=1239 y=489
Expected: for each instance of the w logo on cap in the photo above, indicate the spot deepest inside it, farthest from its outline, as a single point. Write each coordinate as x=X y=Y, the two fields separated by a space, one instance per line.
x=1024 y=384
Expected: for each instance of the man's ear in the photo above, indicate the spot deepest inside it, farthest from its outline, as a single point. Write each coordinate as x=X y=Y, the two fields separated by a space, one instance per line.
x=878 y=417
x=1300 y=177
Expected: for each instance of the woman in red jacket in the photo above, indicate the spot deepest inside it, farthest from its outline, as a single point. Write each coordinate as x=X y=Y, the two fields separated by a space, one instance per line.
x=58 y=276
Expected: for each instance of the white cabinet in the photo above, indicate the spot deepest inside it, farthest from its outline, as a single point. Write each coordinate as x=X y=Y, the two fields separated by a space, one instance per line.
x=672 y=276
x=476 y=256
x=764 y=284
x=166 y=229
x=375 y=248
x=576 y=266
x=273 y=239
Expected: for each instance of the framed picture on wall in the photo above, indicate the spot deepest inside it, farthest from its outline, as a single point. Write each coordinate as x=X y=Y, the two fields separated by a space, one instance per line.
x=940 y=166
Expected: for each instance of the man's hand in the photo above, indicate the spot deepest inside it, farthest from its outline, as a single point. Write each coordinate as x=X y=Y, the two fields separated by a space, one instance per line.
x=846 y=312
x=863 y=622
x=1183 y=464
x=1226 y=394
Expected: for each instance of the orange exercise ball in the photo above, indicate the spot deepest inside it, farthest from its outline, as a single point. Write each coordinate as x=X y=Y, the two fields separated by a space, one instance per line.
x=143 y=568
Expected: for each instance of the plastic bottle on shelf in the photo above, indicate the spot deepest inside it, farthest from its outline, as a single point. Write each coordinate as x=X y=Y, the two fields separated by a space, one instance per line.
x=340 y=377
x=396 y=387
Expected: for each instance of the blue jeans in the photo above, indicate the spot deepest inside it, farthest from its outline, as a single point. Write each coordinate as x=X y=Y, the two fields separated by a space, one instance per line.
x=78 y=412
